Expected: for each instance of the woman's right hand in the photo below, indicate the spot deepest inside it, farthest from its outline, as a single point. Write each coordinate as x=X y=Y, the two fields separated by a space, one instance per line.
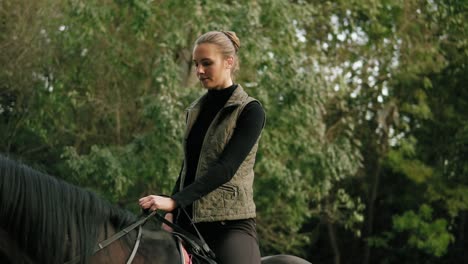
x=157 y=202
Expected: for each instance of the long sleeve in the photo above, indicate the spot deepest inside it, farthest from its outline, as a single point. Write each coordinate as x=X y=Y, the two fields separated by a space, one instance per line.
x=177 y=184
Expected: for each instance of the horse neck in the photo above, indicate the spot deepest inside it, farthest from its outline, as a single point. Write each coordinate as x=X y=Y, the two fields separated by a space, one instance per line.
x=10 y=252
x=48 y=219
x=116 y=252
x=156 y=247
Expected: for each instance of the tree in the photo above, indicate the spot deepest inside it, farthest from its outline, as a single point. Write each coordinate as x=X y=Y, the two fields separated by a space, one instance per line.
x=359 y=95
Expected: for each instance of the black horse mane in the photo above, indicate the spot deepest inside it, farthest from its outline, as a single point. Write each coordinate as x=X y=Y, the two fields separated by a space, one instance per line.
x=46 y=216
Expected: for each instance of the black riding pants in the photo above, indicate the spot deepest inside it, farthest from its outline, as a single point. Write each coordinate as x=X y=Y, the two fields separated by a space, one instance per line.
x=233 y=242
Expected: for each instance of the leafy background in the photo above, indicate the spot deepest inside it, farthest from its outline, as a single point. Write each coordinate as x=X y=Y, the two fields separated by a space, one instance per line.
x=361 y=160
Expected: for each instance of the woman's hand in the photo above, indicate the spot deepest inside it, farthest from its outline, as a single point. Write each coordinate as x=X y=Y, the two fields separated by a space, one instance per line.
x=169 y=217
x=155 y=202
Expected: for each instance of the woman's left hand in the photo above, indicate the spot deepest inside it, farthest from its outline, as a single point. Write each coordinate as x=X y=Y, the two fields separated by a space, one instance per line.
x=155 y=202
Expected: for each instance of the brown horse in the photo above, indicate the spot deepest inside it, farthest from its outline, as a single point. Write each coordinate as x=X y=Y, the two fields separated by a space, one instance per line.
x=46 y=220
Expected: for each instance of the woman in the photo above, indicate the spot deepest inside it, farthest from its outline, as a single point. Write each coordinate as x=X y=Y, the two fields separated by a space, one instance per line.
x=221 y=141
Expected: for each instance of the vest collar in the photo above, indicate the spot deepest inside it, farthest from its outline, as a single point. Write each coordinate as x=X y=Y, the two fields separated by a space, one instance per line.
x=237 y=98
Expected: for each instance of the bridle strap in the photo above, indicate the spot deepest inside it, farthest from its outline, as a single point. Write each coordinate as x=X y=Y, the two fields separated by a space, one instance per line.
x=198 y=243
x=135 y=247
x=117 y=236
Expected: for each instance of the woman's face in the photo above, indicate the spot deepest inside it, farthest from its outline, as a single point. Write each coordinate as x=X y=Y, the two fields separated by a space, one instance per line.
x=213 y=70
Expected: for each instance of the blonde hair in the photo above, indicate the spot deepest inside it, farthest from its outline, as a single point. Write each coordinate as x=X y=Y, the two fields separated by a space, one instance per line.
x=227 y=42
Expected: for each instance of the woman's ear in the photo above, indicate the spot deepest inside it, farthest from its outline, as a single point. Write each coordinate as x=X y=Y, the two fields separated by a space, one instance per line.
x=229 y=62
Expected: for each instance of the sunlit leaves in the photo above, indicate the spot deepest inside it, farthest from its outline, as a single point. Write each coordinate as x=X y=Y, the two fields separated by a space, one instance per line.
x=425 y=233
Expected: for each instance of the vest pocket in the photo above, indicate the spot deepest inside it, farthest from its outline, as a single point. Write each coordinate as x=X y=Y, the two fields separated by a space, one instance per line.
x=229 y=192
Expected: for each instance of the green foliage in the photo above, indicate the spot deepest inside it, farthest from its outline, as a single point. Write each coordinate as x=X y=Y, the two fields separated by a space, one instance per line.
x=420 y=108
x=425 y=233
x=359 y=95
x=100 y=170
x=402 y=160
x=418 y=230
x=381 y=241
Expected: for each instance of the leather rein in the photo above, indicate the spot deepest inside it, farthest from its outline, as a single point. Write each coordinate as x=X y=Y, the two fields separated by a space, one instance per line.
x=103 y=244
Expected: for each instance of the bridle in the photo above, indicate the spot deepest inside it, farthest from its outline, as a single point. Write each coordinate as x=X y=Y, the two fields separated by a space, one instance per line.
x=198 y=245
x=103 y=244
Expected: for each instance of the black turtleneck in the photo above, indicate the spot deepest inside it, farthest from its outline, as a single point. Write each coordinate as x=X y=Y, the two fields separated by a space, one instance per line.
x=248 y=128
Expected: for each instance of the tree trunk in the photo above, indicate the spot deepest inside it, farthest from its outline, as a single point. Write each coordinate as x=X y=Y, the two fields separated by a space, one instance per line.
x=371 y=209
x=333 y=242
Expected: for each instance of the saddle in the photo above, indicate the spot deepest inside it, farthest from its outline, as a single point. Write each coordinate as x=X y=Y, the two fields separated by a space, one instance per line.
x=192 y=250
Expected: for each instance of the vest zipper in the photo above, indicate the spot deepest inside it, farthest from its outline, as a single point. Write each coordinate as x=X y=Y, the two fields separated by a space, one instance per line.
x=194 y=211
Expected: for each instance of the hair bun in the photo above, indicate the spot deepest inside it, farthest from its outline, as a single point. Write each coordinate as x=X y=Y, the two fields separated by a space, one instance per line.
x=233 y=38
